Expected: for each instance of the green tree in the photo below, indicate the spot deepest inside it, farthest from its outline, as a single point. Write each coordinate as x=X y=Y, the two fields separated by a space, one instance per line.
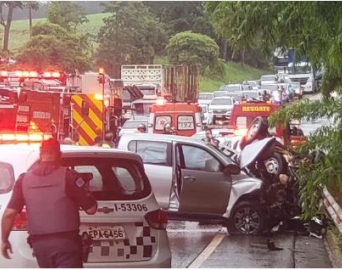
x=9 y=7
x=195 y=49
x=131 y=35
x=52 y=46
x=69 y=15
x=31 y=5
x=313 y=29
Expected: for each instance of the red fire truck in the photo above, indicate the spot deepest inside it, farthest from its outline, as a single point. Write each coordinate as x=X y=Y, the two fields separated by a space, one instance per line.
x=31 y=103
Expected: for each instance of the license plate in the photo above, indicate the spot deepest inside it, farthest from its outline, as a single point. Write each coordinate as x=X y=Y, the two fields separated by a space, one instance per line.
x=113 y=233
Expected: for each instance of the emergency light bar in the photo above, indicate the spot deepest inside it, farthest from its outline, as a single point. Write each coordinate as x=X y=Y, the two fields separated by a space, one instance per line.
x=23 y=137
x=29 y=74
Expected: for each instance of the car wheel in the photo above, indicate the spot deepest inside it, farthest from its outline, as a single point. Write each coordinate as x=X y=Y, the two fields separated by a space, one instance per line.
x=247 y=218
x=275 y=164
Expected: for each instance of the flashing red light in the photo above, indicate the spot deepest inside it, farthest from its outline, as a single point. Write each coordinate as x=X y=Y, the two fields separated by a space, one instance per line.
x=55 y=74
x=33 y=74
x=101 y=71
x=3 y=73
x=47 y=74
x=19 y=73
x=25 y=73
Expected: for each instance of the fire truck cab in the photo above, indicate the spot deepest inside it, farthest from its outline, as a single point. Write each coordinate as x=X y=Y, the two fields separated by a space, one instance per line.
x=185 y=117
x=245 y=112
x=25 y=110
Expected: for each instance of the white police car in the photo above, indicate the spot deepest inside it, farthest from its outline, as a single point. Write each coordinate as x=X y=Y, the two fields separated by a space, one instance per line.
x=128 y=230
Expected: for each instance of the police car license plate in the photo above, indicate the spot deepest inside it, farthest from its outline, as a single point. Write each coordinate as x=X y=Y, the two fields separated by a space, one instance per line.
x=113 y=233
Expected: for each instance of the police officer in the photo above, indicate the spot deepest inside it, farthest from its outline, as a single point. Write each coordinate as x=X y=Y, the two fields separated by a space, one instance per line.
x=141 y=128
x=53 y=196
x=167 y=129
x=108 y=140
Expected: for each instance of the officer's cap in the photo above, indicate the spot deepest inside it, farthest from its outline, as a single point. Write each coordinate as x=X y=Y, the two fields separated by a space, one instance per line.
x=51 y=145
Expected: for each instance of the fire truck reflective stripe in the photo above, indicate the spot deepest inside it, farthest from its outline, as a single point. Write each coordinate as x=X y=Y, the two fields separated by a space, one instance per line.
x=89 y=126
x=92 y=121
x=85 y=137
x=95 y=107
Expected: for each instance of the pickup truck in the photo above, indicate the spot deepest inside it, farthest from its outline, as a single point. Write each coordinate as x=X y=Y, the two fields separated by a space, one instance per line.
x=195 y=181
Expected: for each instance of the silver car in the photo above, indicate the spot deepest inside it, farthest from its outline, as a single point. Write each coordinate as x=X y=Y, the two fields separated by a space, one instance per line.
x=196 y=181
x=128 y=230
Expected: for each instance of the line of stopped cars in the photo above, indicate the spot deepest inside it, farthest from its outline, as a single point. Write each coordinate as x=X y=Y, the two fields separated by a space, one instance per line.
x=151 y=178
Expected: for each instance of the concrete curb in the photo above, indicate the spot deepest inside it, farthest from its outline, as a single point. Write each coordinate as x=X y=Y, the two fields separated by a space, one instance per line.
x=334 y=250
x=335 y=213
x=333 y=209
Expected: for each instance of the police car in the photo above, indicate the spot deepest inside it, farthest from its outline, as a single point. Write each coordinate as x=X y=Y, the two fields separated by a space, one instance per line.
x=129 y=228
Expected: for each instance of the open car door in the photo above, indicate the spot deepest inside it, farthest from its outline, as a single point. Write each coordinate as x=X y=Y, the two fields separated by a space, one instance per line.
x=201 y=185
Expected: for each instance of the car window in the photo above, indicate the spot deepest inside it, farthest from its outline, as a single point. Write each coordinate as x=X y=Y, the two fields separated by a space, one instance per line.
x=241 y=122
x=112 y=179
x=222 y=101
x=185 y=122
x=196 y=158
x=160 y=121
x=151 y=152
x=133 y=124
x=6 y=177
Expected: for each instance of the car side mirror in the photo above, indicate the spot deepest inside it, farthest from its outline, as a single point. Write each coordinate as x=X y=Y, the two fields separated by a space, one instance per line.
x=233 y=169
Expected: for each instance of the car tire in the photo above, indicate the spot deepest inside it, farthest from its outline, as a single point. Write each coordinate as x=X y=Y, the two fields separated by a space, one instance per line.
x=247 y=218
x=275 y=164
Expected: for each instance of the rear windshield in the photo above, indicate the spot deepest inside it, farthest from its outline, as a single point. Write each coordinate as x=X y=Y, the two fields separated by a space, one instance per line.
x=205 y=96
x=133 y=124
x=223 y=101
x=111 y=179
x=220 y=94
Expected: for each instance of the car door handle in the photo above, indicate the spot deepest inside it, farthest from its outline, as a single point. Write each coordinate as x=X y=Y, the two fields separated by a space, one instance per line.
x=189 y=178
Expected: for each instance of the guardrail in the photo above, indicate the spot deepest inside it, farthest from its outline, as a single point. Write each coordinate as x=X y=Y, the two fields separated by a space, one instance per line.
x=333 y=208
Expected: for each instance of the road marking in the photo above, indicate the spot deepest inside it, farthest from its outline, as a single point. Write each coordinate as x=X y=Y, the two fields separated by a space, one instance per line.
x=208 y=250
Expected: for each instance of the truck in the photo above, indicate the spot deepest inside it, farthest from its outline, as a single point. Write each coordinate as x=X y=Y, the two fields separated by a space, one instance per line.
x=28 y=107
x=297 y=69
x=178 y=105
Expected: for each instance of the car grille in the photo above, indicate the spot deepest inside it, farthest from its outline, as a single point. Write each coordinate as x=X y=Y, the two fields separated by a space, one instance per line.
x=219 y=111
x=300 y=80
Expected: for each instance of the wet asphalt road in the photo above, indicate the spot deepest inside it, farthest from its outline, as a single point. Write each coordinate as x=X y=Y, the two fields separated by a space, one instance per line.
x=210 y=246
x=195 y=246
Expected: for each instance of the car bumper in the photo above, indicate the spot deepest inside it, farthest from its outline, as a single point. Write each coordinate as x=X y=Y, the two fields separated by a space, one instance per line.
x=22 y=255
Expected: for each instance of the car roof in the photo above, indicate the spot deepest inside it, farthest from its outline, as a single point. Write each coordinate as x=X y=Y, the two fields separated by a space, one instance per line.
x=206 y=93
x=73 y=150
x=161 y=138
x=223 y=97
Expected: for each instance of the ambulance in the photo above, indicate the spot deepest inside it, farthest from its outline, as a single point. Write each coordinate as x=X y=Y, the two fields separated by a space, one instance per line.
x=185 y=117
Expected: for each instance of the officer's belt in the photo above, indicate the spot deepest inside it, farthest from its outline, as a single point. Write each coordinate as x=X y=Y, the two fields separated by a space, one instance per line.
x=69 y=234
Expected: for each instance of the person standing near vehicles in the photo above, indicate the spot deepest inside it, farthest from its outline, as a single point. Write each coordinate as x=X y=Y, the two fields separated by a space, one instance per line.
x=98 y=141
x=209 y=138
x=108 y=140
x=141 y=128
x=266 y=96
x=53 y=196
x=167 y=129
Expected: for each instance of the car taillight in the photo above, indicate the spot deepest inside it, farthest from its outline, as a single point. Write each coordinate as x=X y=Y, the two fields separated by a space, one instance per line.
x=157 y=219
x=20 y=222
